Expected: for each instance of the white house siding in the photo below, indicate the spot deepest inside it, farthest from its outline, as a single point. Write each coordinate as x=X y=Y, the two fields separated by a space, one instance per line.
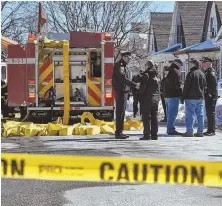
x=212 y=15
x=173 y=31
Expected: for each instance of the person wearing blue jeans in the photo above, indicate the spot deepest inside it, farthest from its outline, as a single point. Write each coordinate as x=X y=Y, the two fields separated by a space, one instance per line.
x=172 y=92
x=193 y=94
x=194 y=108
x=172 y=106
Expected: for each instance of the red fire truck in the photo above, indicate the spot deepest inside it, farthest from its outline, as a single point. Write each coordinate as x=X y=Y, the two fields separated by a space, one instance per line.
x=62 y=78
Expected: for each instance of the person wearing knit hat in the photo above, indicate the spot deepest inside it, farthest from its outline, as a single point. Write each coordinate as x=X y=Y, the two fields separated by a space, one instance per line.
x=193 y=95
x=172 y=92
x=150 y=97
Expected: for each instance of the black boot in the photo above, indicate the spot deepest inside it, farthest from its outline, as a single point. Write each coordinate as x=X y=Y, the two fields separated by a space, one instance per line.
x=120 y=136
x=124 y=135
x=147 y=137
x=154 y=137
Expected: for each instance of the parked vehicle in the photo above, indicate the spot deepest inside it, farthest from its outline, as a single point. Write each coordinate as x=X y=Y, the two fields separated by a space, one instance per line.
x=53 y=79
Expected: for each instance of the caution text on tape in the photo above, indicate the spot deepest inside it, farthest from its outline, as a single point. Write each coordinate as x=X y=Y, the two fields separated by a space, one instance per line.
x=112 y=169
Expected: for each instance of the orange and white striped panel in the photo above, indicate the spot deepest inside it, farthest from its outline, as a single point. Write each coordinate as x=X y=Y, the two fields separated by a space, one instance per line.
x=45 y=77
x=94 y=91
x=94 y=88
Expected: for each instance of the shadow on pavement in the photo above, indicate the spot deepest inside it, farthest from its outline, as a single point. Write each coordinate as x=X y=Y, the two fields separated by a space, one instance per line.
x=105 y=139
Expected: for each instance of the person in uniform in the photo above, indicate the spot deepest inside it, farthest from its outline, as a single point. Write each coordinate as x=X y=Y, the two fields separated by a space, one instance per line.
x=135 y=93
x=162 y=85
x=4 y=97
x=193 y=94
x=121 y=85
x=150 y=91
x=211 y=95
x=172 y=92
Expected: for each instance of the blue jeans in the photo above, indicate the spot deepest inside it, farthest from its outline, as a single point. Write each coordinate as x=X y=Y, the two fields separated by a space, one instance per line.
x=172 y=105
x=194 y=108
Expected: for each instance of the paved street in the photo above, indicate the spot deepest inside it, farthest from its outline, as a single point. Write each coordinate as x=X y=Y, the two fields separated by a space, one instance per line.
x=33 y=192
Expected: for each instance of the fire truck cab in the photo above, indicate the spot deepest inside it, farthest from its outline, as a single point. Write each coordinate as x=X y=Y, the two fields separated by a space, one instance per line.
x=64 y=78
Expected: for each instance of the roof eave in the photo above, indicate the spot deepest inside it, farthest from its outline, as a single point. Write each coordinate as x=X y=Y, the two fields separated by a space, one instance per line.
x=196 y=51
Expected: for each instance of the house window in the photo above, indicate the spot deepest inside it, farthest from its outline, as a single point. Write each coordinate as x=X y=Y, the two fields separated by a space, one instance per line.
x=213 y=27
x=183 y=72
x=178 y=33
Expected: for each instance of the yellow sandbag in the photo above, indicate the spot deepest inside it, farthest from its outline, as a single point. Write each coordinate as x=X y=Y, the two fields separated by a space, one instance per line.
x=111 y=124
x=43 y=131
x=89 y=116
x=32 y=130
x=23 y=125
x=11 y=128
x=93 y=130
x=76 y=131
x=12 y=131
x=65 y=130
x=82 y=129
x=137 y=126
x=59 y=120
x=126 y=126
x=75 y=128
x=53 y=129
x=105 y=129
x=99 y=122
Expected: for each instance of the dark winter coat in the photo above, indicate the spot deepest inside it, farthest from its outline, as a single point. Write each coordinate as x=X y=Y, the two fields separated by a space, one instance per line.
x=195 y=84
x=120 y=78
x=211 y=91
x=150 y=84
x=172 y=87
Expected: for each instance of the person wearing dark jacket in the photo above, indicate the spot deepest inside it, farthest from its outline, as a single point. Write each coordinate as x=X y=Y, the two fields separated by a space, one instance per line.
x=121 y=85
x=172 y=92
x=211 y=95
x=135 y=93
x=162 y=85
x=4 y=97
x=193 y=94
x=150 y=91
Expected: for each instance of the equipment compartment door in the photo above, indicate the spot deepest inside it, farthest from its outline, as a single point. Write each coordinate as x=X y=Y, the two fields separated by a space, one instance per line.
x=94 y=78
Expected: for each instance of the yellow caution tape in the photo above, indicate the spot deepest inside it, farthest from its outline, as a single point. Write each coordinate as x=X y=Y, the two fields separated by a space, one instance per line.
x=111 y=169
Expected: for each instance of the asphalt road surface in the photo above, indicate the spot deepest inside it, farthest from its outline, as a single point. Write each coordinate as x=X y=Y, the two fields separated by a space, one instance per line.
x=53 y=193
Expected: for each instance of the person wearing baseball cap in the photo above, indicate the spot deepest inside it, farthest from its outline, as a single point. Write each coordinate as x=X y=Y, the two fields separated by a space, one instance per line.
x=211 y=95
x=172 y=92
x=121 y=85
x=193 y=94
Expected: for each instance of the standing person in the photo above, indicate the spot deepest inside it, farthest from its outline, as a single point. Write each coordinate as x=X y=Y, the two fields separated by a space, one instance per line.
x=4 y=97
x=193 y=94
x=121 y=85
x=135 y=92
x=172 y=92
x=150 y=91
x=211 y=95
x=162 y=85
